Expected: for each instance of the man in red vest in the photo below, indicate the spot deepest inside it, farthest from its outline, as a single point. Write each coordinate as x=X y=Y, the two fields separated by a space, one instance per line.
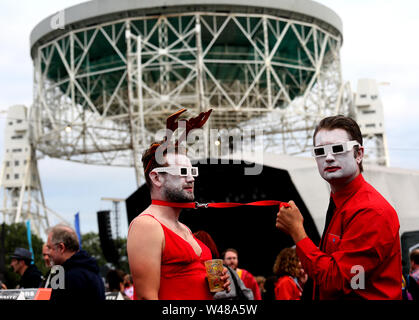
x=166 y=261
x=359 y=255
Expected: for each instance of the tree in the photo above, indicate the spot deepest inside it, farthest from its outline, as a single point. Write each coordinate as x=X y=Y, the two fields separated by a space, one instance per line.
x=15 y=235
x=91 y=244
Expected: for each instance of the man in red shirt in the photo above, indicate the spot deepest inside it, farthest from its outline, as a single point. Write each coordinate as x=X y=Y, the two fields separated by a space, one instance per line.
x=359 y=255
x=231 y=258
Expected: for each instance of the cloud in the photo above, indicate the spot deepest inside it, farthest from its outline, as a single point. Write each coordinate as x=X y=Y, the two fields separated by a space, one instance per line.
x=18 y=18
x=72 y=187
x=379 y=44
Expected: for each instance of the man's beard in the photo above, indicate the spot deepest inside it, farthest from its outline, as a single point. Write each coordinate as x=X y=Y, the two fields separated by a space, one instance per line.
x=178 y=195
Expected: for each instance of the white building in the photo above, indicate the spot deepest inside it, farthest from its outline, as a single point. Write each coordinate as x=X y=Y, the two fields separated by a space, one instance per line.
x=19 y=178
x=370 y=117
x=17 y=149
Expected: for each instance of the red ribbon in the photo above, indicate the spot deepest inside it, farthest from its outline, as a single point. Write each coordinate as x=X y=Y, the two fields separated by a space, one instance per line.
x=196 y=205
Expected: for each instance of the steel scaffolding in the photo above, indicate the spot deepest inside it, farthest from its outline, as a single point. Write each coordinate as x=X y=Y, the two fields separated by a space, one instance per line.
x=112 y=85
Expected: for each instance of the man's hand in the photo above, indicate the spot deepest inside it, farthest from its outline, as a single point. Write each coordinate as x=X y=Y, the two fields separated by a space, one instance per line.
x=226 y=279
x=291 y=221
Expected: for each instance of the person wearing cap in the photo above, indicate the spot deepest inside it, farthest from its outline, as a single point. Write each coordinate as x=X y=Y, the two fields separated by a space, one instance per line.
x=21 y=262
x=359 y=255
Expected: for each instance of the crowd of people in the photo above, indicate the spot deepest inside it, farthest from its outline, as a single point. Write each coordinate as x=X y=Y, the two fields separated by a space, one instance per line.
x=358 y=257
x=285 y=283
x=80 y=277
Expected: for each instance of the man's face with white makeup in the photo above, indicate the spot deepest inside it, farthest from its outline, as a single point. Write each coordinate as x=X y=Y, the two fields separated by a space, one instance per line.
x=337 y=168
x=178 y=188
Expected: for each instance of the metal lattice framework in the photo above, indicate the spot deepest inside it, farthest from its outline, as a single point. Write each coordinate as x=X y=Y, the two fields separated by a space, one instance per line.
x=114 y=84
x=25 y=202
x=20 y=183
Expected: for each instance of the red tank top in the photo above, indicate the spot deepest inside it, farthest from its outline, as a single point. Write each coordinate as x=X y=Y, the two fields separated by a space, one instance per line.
x=183 y=275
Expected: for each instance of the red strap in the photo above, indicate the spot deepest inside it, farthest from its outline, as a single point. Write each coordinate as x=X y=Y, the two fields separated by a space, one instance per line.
x=191 y=205
x=196 y=205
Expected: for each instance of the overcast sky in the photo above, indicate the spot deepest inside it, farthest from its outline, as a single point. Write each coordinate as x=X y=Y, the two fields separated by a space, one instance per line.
x=380 y=42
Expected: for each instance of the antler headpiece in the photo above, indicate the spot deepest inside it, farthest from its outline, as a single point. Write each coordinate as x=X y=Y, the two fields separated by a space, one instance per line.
x=171 y=125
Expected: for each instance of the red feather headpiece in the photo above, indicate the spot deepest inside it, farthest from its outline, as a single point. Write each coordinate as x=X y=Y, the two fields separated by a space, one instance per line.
x=171 y=125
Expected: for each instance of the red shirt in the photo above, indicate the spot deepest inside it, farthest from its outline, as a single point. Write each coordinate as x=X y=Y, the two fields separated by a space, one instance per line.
x=363 y=233
x=250 y=282
x=183 y=273
x=287 y=289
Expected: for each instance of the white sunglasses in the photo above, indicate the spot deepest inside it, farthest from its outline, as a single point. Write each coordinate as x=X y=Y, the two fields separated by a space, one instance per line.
x=178 y=171
x=335 y=148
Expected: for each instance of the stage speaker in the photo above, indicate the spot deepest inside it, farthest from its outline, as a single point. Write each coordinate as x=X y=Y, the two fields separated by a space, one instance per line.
x=410 y=241
x=107 y=243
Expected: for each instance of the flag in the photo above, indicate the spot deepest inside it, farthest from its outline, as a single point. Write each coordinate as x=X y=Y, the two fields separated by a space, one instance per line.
x=28 y=232
x=77 y=227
